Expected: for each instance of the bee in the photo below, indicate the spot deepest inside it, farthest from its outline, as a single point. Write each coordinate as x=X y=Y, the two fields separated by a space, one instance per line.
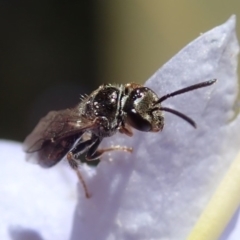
x=107 y=110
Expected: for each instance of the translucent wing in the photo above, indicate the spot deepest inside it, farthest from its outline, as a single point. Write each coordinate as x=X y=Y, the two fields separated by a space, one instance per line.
x=54 y=135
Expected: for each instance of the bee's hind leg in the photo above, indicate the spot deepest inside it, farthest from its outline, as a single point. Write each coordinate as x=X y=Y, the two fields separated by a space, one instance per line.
x=73 y=162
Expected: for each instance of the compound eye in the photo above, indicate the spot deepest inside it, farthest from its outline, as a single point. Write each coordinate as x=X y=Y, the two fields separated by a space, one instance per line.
x=138 y=122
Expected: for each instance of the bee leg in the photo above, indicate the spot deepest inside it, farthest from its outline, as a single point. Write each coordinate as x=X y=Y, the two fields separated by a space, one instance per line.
x=99 y=152
x=126 y=130
x=72 y=160
x=94 y=153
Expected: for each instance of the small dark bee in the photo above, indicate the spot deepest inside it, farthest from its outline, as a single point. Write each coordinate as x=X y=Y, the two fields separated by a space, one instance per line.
x=110 y=108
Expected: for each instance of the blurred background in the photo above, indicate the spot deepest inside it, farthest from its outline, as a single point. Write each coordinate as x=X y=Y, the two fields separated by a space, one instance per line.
x=53 y=51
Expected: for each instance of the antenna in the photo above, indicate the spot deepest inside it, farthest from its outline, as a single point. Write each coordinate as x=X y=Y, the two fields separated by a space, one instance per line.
x=187 y=89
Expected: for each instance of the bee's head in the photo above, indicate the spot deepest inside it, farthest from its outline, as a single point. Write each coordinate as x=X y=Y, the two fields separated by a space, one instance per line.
x=143 y=107
x=141 y=113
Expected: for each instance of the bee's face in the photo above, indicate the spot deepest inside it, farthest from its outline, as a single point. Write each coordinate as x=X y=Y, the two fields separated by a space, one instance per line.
x=141 y=111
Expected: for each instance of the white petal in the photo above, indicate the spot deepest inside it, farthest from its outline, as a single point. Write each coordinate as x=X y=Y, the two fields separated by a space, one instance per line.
x=35 y=203
x=159 y=191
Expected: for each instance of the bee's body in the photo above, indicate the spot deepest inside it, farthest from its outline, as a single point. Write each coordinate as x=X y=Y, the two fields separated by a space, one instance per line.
x=105 y=111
